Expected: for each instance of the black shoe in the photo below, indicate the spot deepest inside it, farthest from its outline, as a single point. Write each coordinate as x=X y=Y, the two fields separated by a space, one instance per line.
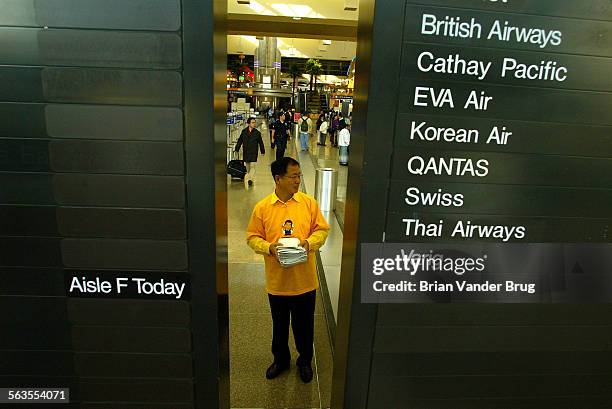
x=305 y=373
x=275 y=369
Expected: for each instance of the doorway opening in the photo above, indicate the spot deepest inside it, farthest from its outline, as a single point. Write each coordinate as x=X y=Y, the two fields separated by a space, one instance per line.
x=287 y=70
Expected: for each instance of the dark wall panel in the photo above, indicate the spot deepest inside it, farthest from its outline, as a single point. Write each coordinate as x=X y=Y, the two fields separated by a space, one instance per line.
x=30 y=252
x=39 y=310
x=587 y=9
x=33 y=337
x=121 y=223
x=552 y=177
x=121 y=339
x=34 y=381
x=527 y=136
x=135 y=406
x=413 y=339
x=26 y=188
x=30 y=156
x=162 y=15
x=133 y=365
x=23 y=120
x=94 y=124
x=92 y=190
x=92 y=183
x=140 y=158
x=510 y=388
x=504 y=392
x=503 y=168
x=543 y=201
x=111 y=86
x=28 y=221
x=32 y=281
x=578 y=34
x=112 y=122
x=89 y=48
x=83 y=156
x=153 y=391
x=537 y=229
x=37 y=363
x=495 y=314
x=89 y=85
x=22 y=84
x=119 y=190
x=124 y=254
x=474 y=362
x=583 y=72
x=520 y=103
x=146 y=313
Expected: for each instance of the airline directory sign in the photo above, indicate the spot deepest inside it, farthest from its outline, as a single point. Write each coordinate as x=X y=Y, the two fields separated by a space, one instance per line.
x=503 y=136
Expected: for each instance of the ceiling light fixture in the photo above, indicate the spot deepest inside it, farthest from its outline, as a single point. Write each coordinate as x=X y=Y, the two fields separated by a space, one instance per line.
x=247 y=2
x=327 y=42
x=297 y=18
x=350 y=5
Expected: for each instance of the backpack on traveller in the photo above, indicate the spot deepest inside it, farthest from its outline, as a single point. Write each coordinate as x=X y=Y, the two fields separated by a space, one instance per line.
x=304 y=124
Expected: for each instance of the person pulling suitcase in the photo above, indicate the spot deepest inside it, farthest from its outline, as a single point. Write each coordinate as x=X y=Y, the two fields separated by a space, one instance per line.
x=250 y=139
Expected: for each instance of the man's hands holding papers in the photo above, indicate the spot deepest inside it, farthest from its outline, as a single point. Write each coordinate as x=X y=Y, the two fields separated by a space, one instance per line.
x=304 y=244
x=289 y=251
x=274 y=247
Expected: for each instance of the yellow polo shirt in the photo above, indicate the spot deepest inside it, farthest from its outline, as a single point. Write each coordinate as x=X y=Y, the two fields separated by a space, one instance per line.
x=269 y=223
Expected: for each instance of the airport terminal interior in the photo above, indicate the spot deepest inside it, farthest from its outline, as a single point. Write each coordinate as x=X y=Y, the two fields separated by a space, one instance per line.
x=459 y=150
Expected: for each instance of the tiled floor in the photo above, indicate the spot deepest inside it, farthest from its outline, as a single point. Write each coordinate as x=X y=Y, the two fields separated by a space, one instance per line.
x=250 y=321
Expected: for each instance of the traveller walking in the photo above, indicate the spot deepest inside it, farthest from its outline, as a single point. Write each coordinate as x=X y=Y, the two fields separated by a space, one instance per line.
x=271 y=122
x=344 y=140
x=334 y=128
x=323 y=132
x=281 y=134
x=250 y=139
x=304 y=125
x=318 y=125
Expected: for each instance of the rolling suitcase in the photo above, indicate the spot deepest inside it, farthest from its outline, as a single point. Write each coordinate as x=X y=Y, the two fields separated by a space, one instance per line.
x=236 y=169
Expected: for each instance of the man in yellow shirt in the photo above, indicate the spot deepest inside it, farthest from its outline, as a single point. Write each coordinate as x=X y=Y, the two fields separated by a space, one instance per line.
x=287 y=212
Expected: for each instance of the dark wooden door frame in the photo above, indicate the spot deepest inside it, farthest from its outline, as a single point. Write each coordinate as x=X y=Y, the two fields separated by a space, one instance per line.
x=204 y=78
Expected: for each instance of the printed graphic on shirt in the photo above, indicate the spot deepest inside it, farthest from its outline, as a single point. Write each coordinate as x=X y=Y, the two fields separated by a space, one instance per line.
x=287 y=228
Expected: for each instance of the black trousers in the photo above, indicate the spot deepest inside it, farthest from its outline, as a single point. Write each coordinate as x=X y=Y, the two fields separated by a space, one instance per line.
x=300 y=308
x=281 y=145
